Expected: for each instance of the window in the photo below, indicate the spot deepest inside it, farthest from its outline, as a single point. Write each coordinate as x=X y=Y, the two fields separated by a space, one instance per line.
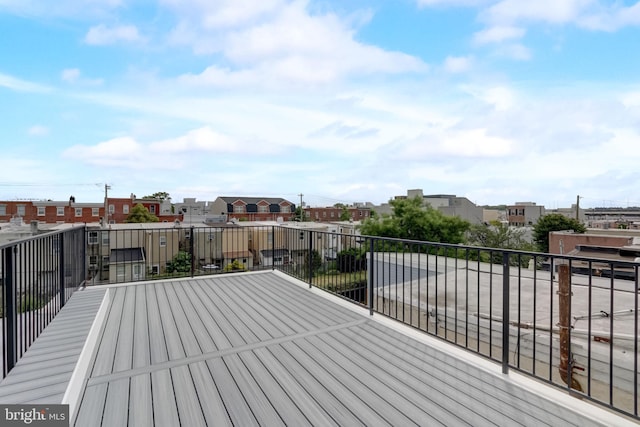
x=317 y=215
x=112 y=209
x=105 y=262
x=263 y=209
x=324 y=214
x=41 y=210
x=152 y=209
x=93 y=238
x=95 y=211
x=332 y=214
x=285 y=209
x=105 y=237
x=21 y=210
x=125 y=209
x=163 y=241
x=120 y=272
x=238 y=208
x=3 y=209
x=155 y=269
x=93 y=260
x=60 y=211
x=78 y=212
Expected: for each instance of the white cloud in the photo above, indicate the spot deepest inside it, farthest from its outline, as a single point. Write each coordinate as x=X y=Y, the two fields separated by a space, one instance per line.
x=74 y=76
x=70 y=75
x=127 y=152
x=290 y=45
x=38 y=130
x=458 y=64
x=102 y=35
x=20 y=85
x=498 y=34
x=552 y=11
x=451 y=143
x=515 y=51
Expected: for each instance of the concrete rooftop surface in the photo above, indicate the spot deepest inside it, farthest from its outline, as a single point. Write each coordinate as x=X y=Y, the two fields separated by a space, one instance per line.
x=264 y=349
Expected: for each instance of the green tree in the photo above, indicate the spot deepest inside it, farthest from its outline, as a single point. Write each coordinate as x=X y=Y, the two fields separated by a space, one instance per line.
x=316 y=262
x=345 y=215
x=498 y=235
x=140 y=214
x=181 y=263
x=301 y=215
x=412 y=220
x=553 y=222
x=159 y=195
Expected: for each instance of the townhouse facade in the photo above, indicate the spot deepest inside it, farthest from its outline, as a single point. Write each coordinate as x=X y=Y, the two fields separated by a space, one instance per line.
x=332 y=213
x=51 y=212
x=253 y=208
x=524 y=214
x=69 y=212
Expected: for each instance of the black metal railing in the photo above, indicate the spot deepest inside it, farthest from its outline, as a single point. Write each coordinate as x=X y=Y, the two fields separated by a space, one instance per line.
x=569 y=321
x=38 y=275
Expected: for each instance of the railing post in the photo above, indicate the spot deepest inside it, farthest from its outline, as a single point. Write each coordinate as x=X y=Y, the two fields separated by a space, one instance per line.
x=505 y=313
x=193 y=237
x=62 y=265
x=273 y=248
x=10 y=309
x=370 y=281
x=310 y=257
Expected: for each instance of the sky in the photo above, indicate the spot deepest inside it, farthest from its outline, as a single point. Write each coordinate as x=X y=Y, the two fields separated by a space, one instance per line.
x=343 y=101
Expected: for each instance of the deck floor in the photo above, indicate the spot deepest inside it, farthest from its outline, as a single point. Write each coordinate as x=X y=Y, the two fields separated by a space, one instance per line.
x=258 y=349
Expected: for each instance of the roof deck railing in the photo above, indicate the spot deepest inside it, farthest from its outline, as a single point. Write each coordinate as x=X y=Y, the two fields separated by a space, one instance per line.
x=571 y=322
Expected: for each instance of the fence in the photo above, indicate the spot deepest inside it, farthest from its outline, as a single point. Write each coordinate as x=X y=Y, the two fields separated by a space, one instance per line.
x=569 y=321
x=38 y=276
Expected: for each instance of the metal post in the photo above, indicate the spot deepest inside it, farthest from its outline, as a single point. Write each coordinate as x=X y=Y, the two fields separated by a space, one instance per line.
x=273 y=248
x=564 y=307
x=61 y=263
x=9 y=306
x=310 y=257
x=193 y=237
x=505 y=313
x=370 y=283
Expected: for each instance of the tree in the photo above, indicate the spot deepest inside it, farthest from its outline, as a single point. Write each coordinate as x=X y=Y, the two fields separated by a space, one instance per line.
x=501 y=236
x=411 y=220
x=498 y=235
x=300 y=213
x=553 y=222
x=181 y=263
x=159 y=195
x=345 y=215
x=140 y=214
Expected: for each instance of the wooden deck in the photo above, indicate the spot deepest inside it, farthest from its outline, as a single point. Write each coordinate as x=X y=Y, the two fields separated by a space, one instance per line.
x=259 y=349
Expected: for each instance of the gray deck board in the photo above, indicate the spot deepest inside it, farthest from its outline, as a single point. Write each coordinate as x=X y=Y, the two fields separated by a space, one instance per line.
x=140 y=399
x=165 y=410
x=256 y=349
x=44 y=371
x=189 y=406
x=215 y=414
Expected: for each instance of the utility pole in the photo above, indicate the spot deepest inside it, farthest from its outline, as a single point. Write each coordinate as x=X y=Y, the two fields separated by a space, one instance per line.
x=107 y=187
x=578 y=208
x=301 y=211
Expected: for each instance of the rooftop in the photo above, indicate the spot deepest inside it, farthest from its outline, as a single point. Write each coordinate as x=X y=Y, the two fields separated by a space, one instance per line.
x=264 y=349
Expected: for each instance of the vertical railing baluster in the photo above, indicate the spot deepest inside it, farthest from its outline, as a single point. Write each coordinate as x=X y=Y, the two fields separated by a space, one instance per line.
x=62 y=268
x=10 y=310
x=371 y=276
x=505 y=312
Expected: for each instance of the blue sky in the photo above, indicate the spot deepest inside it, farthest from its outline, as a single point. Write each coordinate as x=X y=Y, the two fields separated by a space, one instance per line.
x=344 y=101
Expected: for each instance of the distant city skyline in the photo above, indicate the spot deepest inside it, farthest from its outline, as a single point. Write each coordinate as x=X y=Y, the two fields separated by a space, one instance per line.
x=498 y=101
